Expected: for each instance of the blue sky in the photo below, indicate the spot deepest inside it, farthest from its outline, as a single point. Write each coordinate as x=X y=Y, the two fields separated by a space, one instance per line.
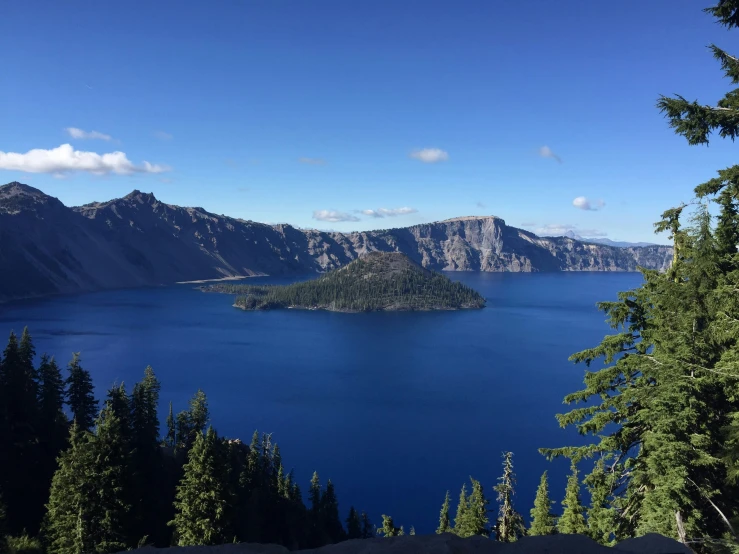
x=228 y=100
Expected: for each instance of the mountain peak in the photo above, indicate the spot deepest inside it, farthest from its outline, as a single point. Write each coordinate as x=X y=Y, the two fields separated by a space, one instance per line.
x=16 y=197
x=141 y=197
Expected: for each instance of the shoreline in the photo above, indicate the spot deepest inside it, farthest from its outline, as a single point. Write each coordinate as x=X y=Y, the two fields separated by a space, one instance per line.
x=232 y=278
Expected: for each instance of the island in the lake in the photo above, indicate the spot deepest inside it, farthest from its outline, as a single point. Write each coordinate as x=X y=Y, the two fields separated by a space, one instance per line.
x=377 y=281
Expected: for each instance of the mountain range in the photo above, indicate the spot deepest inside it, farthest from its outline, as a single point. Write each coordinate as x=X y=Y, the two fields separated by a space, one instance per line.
x=49 y=248
x=607 y=242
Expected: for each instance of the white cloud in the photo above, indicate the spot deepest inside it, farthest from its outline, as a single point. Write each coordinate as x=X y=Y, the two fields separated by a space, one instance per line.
x=161 y=135
x=584 y=203
x=333 y=216
x=559 y=229
x=64 y=159
x=430 y=155
x=382 y=212
x=76 y=133
x=312 y=161
x=546 y=152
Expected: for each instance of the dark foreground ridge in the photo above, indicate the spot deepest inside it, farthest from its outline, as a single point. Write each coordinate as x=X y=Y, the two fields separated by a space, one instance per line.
x=450 y=544
x=378 y=281
x=138 y=241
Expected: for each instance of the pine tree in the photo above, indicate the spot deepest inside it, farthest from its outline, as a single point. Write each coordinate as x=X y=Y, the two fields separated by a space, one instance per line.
x=601 y=515
x=572 y=520
x=87 y=509
x=444 y=524
x=462 y=509
x=147 y=460
x=199 y=413
x=111 y=484
x=413 y=531
x=53 y=426
x=315 y=493
x=202 y=500
x=80 y=394
x=388 y=528
x=353 y=525
x=67 y=525
x=509 y=526
x=474 y=519
x=171 y=439
x=330 y=514
x=543 y=521
x=19 y=440
x=368 y=530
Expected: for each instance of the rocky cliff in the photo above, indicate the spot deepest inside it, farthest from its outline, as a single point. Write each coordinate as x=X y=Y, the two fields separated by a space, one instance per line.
x=450 y=544
x=47 y=248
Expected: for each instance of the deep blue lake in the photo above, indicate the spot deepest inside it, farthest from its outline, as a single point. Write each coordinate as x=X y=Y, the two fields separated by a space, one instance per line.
x=395 y=408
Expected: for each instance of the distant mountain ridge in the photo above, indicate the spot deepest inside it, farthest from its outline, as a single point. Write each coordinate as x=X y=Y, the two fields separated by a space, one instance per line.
x=137 y=240
x=607 y=242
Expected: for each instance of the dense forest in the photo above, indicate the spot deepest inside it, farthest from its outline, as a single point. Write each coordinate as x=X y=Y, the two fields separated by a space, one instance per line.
x=377 y=281
x=77 y=477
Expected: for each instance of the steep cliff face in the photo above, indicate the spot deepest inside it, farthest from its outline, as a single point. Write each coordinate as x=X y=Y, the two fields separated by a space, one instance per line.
x=137 y=240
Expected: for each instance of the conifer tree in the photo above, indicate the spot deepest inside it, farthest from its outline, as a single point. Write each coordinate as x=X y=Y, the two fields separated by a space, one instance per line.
x=20 y=460
x=388 y=528
x=572 y=520
x=509 y=526
x=413 y=531
x=80 y=394
x=67 y=525
x=315 y=493
x=601 y=515
x=666 y=402
x=543 y=521
x=171 y=438
x=202 y=500
x=110 y=481
x=147 y=460
x=330 y=514
x=475 y=516
x=353 y=525
x=462 y=509
x=199 y=413
x=368 y=530
x=444 y=524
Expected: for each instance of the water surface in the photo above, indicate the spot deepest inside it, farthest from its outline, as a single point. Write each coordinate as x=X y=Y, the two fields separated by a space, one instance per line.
x=395 y=408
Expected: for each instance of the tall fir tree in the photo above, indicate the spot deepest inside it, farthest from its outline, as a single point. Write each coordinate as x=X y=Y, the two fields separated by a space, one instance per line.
x=202 y=506
x=111 y=484
x=148 y=498
x=53 y=426
x=170 y=439
x=601 y=515
x=509 y=526
x=368 y=530
x=87 y=508
x=667 y=402
x=572 y=520
x=330 y=514
x=474 y=519
x=19 y=440
x=69 y=512
x=543 y=520
x=444 y=523
x=353 y=525
x=80 y=394
x=462 y=509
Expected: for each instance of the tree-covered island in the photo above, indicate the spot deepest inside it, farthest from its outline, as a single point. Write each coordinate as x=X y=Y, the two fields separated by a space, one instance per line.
x=378 y=281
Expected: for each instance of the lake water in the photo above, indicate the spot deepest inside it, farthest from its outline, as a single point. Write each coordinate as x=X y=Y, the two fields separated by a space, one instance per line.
x=395 y=408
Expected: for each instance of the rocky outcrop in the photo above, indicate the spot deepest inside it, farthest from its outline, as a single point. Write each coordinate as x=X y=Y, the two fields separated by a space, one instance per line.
x=451 y=544
x=47 y=248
